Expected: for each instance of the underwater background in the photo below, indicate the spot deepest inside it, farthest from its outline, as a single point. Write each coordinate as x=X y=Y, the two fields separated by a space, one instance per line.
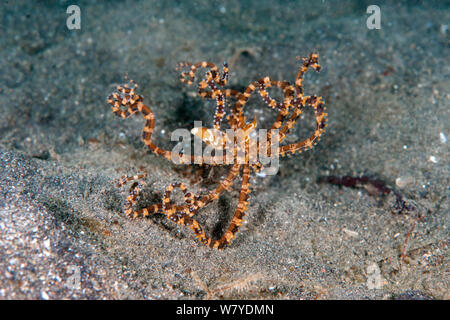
x=385 y=84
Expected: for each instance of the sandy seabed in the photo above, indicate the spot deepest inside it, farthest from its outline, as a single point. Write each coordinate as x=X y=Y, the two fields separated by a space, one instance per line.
x=62 y=230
